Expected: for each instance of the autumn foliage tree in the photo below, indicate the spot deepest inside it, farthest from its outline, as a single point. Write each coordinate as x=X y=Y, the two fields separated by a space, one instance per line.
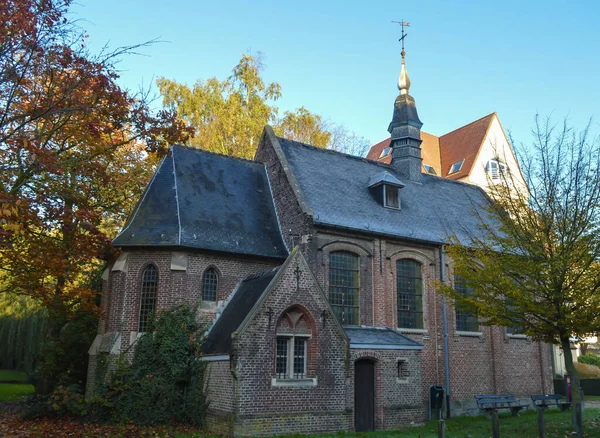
x=228 y=116
x=537 y=268
x=71 y=142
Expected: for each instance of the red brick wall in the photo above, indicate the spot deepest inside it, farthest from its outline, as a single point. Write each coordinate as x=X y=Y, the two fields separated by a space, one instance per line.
x=479 y=363
x=264 y=407
x=398 y=403
x=174 y=286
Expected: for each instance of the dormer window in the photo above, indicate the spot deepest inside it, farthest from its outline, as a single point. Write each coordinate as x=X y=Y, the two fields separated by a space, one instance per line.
x=385 y=188
x=429 y=169
x=391 y=197
x=495 y=168
x=385 y=152
x=456 y=167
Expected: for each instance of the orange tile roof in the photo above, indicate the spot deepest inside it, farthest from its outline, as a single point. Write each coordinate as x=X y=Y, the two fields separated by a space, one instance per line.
x=430 y=151
x=442 y=152
x=463 y=143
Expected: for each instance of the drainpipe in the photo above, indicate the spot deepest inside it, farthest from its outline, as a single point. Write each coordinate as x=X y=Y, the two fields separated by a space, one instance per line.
x=445 y=324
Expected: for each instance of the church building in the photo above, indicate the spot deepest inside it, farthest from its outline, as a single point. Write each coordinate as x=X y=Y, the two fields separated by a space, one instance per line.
x=316 y=272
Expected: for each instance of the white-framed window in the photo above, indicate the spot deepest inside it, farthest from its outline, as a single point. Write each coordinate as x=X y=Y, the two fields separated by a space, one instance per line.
x=429 y=169
x=456 y=166
x=495 y=168
x=291 y=357
x=390 y=197
x=385 y=152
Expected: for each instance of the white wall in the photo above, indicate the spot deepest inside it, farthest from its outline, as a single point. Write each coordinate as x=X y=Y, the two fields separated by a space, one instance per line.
x=495 y=145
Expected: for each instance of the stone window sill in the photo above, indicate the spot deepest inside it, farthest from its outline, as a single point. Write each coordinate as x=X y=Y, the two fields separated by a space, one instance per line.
x=469 y=334
x=509 y=336
x=294 y=383
x=414 y=331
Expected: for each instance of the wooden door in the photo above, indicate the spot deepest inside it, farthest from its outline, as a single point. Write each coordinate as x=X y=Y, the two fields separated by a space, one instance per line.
x=364 y=395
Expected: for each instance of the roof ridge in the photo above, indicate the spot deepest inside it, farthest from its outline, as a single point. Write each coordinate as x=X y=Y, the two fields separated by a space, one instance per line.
x=218 y=154
x=470 y=123
x=334 y=152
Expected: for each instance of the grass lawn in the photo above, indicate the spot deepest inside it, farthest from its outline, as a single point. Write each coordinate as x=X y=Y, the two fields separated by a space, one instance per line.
x=558 y=424
x=12 y=375
x=14 y=391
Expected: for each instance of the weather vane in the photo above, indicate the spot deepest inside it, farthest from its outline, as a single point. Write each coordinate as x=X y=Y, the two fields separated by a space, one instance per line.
x=402 y=24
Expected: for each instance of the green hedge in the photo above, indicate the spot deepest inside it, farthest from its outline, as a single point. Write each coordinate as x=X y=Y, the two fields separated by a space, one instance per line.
x=590 y=359
x=21 y=339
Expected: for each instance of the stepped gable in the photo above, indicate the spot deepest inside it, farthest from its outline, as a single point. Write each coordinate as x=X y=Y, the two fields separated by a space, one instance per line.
x=241 y=303
x=198 y=199
x=336 y=192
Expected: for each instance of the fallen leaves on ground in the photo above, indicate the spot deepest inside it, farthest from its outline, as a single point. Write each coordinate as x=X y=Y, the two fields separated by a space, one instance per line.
x=12 y=426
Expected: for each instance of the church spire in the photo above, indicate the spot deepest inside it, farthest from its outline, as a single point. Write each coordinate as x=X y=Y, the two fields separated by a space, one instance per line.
x=405 y=128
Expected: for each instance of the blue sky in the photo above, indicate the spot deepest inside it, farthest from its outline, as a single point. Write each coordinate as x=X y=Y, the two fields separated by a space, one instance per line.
x=341 y=59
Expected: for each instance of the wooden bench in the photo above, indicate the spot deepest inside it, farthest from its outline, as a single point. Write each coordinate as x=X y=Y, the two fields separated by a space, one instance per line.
x=544 y=401
x=491 y=403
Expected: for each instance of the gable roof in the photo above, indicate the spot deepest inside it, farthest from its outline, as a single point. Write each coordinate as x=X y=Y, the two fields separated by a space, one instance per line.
x=198 y=199
x=381 y=338
x=242 y=302
x=441 y=152
x=463 y=143
x=336 y=192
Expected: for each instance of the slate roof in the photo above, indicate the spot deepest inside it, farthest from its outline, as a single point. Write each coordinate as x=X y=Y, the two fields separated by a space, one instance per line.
x=243 y=300
x=336 y=193
x=441 y=152
x=198 y=199
x=380 y=338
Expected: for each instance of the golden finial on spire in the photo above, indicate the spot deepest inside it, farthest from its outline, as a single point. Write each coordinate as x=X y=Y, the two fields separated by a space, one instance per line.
x=403 y=80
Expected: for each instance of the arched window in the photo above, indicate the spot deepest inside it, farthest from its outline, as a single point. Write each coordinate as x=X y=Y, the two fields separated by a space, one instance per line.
x=344 y=285
x=148 y=296
x=209 y=285
x=409 y=287
x=291 y=354
x=465 y=321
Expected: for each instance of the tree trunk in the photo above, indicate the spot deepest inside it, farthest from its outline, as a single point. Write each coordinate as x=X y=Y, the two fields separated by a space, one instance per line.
x=575 y=392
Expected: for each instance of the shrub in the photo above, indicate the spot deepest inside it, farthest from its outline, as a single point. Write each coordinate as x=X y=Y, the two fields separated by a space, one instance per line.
x=164 y=384
x=587 y=371
x=590 y=359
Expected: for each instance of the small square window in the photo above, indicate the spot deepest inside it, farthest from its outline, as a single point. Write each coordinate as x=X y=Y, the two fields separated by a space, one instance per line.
x=403 y=372
x=456 y=167
x=391 y=197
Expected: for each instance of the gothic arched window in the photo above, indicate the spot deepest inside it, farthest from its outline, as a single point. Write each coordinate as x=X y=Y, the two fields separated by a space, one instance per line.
x=209 y=285
x=344 y=284
x=409 y=287
x=293 y=336
x=148 y=296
